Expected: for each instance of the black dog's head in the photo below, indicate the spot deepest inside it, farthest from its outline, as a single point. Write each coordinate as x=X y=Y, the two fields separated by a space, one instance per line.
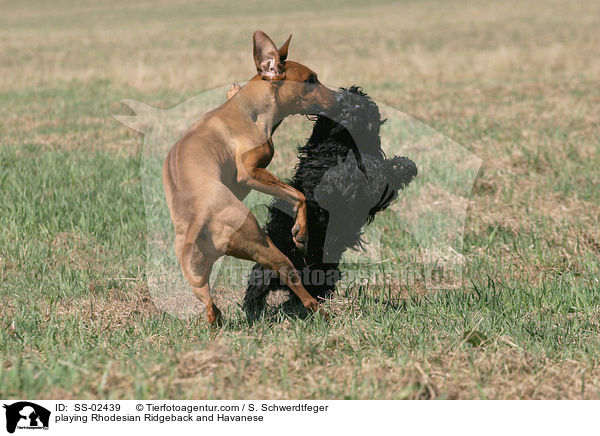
x=345 y=174
x=353 y=123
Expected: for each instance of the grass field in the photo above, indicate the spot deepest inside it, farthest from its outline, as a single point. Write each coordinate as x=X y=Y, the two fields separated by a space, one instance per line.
x=516 y=83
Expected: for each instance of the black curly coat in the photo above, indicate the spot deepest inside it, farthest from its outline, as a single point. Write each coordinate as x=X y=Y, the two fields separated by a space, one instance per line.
x=347 y=179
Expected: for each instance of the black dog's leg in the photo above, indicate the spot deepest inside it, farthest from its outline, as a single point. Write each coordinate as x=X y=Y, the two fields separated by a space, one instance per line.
x=261 y=282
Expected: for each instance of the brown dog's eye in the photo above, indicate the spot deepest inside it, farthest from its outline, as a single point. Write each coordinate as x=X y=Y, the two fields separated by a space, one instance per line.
x=311 y=79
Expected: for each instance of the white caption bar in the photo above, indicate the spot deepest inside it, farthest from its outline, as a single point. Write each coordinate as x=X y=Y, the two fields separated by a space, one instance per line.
x=23 y=417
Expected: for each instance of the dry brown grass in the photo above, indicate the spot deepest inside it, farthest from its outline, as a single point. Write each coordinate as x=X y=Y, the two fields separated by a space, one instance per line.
x=470 y=42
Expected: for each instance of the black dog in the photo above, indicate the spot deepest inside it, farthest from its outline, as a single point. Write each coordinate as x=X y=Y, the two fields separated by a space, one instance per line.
x=347 y=179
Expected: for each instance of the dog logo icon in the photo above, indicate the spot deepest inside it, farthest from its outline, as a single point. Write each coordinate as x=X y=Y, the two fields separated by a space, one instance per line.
x=26 y=415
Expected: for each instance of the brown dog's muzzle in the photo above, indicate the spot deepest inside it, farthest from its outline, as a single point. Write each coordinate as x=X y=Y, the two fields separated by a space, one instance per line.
x=325 y=100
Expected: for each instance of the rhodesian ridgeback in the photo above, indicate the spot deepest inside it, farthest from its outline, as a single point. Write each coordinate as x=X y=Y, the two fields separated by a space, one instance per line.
x=211 y=169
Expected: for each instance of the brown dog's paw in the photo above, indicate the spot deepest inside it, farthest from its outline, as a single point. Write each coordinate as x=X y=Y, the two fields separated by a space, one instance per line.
x=214 y=317
x=233 y=90
x=300 y=237
x=313 y=306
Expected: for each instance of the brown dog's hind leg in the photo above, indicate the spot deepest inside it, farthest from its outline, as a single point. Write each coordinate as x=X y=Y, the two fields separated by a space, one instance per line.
x=213 y=314
x=202 y=268
x=251 y=243
x=196 y=267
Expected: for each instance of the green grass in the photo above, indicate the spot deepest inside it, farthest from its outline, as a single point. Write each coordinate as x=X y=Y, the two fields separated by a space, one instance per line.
x=77 y=318
x=76 y=322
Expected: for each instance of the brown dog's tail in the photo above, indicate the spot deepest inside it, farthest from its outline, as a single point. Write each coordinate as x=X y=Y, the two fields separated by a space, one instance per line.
x=186 y=256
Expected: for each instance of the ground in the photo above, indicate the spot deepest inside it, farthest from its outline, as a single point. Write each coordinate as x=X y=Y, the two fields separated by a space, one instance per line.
x=516 y=83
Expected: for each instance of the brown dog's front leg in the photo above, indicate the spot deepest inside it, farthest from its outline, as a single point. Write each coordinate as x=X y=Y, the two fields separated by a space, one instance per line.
x=252 y=173
x=262 y=180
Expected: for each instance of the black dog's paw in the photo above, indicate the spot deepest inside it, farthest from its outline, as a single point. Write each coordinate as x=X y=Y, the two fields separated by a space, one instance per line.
x=403 y=171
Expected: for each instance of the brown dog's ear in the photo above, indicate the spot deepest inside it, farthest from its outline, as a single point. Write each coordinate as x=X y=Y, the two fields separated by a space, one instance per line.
x=266 y=57
x=283 y=50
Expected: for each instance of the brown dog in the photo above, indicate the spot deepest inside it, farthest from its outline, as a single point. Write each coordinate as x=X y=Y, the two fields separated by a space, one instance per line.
x=223 y=156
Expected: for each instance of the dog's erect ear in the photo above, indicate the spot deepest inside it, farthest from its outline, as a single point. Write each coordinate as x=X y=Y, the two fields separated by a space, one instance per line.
x=266 y=57
x=283 y=50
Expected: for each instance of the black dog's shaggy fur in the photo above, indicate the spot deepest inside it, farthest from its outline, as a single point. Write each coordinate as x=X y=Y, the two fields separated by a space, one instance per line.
x=346 y=179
